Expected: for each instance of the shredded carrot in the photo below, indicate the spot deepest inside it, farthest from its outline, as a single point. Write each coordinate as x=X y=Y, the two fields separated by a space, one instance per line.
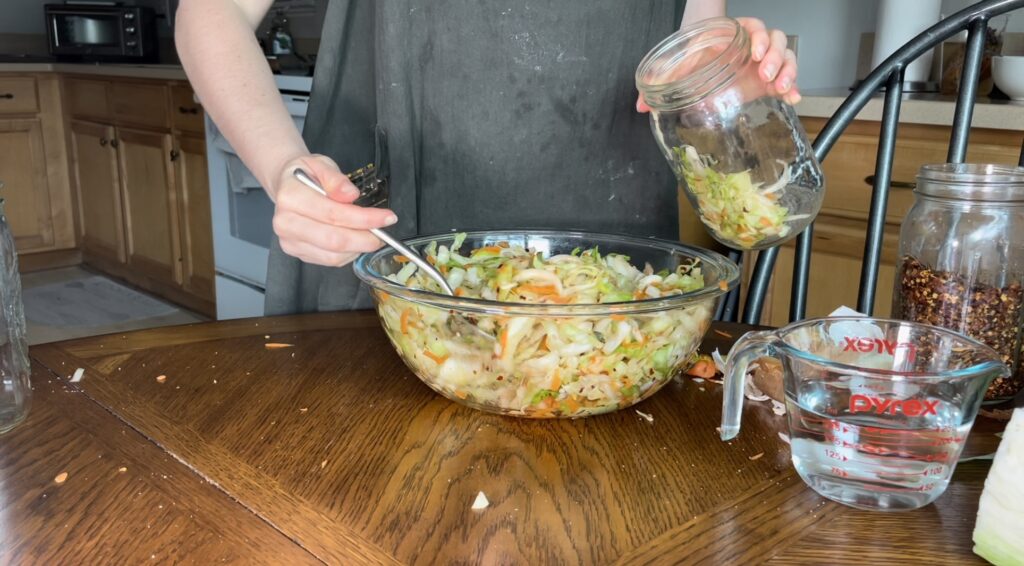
x=572 y=404
x=487 y=249
x=443 y=269
x=556 y=382
x=502 y=244
x=766 y=222
x=544 y=343
x=276 y=345
x=703 y=369
x=503 y=340
x=437 y=359
x=459 y=291
x=431 y=260
x=538 y=289
x=405 y=320
x=460 y=394
x=401 y=259
x=723 y=285
x=619 y=317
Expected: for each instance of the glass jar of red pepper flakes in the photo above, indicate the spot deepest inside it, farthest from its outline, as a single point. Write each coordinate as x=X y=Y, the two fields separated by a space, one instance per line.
x=961 y=259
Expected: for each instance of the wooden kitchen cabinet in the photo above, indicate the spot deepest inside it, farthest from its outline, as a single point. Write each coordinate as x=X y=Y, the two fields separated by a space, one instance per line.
x=143 y=183
x=840 y=228
x=193 y=191
x=24 y=186
x=33 y=165
x=99 y=184
x=150 y=213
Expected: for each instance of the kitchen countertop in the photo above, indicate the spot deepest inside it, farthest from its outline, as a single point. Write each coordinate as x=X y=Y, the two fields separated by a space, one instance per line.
x=916 y=109
x=155 y=71
x=332 y=449
x=932 y=109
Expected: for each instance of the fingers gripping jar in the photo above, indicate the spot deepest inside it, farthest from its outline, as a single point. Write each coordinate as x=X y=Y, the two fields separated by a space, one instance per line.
x=740 y=154
x=961 y=259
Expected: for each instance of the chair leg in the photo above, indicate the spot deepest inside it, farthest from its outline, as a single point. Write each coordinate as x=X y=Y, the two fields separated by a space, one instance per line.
x=880 y=193
x=801 y=273
x=973 y=53
x=727 y=310
x=763 y=268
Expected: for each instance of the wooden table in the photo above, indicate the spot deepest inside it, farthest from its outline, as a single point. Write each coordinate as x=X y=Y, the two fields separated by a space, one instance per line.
x=332 y=451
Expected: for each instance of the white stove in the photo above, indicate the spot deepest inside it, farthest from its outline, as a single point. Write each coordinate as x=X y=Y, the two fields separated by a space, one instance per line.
x=242 y=214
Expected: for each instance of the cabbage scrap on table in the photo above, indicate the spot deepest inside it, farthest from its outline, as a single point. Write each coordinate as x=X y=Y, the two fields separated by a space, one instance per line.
x=737 y=210
x=545 y=366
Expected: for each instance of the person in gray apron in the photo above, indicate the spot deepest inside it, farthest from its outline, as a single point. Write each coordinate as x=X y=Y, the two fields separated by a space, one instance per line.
x=478 y=115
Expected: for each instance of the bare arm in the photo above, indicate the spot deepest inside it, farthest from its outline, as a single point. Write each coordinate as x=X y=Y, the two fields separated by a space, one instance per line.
x=227 y=69
x=218 y=48
x=697 y=10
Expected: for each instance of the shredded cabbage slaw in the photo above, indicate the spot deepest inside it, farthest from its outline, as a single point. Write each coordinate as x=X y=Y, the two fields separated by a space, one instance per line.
x=737 y=210
x=545 y=366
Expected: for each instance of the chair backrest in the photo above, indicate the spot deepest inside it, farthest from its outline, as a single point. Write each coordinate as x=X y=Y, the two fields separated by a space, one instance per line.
x=974 y=19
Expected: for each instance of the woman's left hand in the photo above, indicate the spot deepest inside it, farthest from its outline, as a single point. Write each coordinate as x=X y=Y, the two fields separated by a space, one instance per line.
x=777 y=63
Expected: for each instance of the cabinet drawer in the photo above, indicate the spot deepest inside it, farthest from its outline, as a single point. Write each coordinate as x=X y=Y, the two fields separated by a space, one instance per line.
x=852 y=161
x=140 y=104
x=18 y=95
x=186 y=113
x=87 y=98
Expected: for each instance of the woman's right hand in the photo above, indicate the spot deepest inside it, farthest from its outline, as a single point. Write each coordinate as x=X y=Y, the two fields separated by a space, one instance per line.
x=324 y=231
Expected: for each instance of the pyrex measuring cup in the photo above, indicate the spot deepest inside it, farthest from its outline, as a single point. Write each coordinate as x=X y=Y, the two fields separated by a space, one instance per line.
x=878 y=409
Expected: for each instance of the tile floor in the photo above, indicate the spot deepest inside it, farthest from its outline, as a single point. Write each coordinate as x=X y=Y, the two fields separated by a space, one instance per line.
x=73 y=302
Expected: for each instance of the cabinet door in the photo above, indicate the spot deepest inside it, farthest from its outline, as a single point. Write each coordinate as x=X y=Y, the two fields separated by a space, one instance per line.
x=193 y=193
x=25 y=189
x=151 y=216
x=99 y=194
x=834 y=277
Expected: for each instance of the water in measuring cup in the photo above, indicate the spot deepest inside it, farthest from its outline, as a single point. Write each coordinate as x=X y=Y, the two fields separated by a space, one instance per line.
x=856 y=449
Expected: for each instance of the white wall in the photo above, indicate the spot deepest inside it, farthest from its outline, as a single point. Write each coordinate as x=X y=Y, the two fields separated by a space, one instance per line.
x=1014 y=20
x=22 y=16
x=829 y=34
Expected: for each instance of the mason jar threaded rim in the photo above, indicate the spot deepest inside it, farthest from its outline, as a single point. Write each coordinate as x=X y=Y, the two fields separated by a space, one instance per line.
x=981 y=182
x=706 y=78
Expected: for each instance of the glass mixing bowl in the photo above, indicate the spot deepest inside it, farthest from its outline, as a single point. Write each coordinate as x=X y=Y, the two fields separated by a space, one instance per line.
x=548 y=360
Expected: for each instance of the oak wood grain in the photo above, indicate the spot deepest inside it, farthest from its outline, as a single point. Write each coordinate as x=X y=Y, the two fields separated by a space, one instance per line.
x=123 y=500
x=338 y=446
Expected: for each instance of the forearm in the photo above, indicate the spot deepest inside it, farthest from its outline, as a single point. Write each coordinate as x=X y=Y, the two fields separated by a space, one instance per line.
x=697 y=10
x=227 y=69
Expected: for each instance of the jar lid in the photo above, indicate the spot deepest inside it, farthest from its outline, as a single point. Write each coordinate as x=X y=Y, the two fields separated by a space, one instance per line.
x=972 y=181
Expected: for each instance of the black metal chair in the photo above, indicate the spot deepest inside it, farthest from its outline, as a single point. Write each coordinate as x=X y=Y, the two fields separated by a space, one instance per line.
x=890 y=75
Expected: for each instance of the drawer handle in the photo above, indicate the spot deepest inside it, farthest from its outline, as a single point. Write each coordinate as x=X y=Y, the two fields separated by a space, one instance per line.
x=870 y=180
x=113 y=144
x=175 y=154
x=7 y=95
x=185 y=110
x=103 y=142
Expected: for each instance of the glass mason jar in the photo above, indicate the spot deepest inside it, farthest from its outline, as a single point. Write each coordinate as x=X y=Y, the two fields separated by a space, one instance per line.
x=15 y=391
x=961 y=259
x=740 y=154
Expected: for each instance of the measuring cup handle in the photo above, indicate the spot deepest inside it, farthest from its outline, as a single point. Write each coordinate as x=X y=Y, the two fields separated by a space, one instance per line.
x=748 y=348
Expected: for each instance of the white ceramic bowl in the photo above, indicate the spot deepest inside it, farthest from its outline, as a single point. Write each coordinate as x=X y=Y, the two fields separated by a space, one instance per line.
x=1008 y=73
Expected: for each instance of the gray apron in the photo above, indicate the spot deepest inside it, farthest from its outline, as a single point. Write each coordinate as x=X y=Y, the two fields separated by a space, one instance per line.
x=486 y=115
